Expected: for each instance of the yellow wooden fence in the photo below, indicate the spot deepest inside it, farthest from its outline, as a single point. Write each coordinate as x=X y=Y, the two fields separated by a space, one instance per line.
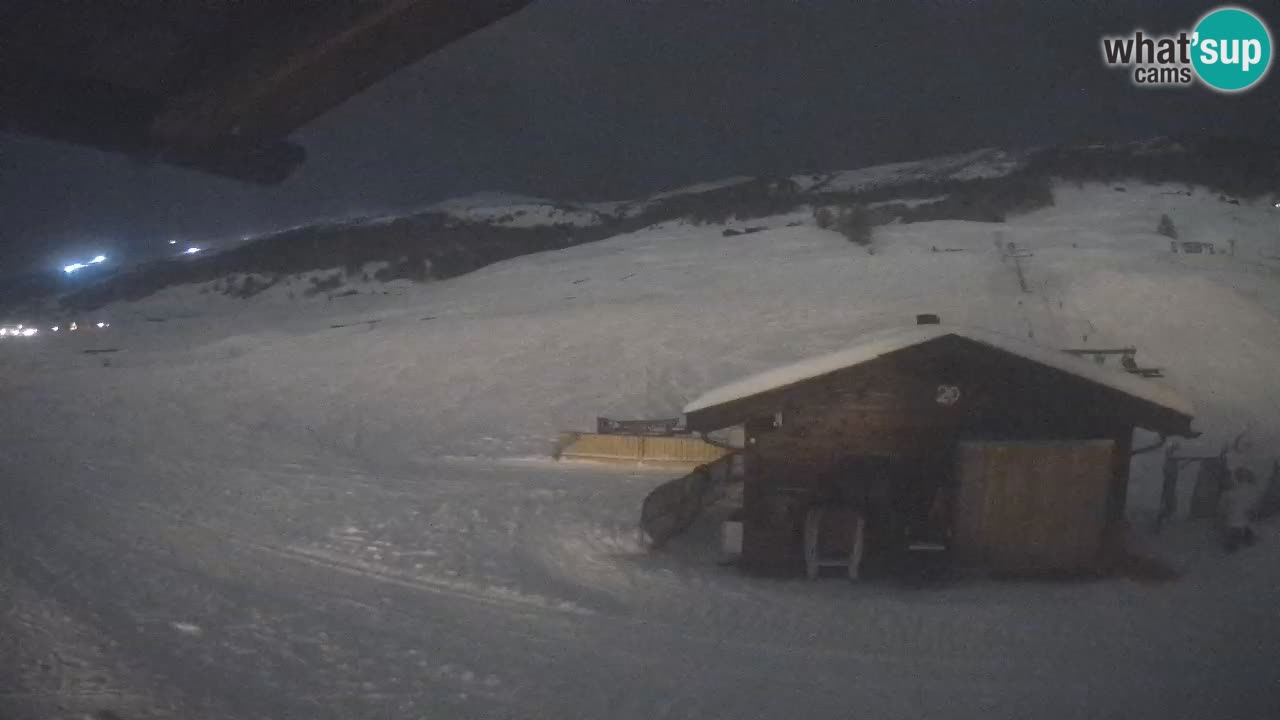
x=638 y=449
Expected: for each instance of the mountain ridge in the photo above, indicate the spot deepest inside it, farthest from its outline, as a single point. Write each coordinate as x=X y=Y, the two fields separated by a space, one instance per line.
x=460 y=235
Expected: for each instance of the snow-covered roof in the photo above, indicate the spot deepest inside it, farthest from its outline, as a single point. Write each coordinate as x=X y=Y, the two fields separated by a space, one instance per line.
x=877 y=344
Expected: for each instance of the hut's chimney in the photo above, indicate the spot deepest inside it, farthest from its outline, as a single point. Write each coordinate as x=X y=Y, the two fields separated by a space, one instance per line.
x=928 y=319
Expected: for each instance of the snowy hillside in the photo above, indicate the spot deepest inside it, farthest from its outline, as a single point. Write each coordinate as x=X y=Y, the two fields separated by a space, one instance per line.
x=988 y=163
x=382 y=455
x=632 y=325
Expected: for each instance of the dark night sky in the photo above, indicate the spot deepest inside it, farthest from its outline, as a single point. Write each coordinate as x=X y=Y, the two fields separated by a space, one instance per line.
x=615 y=98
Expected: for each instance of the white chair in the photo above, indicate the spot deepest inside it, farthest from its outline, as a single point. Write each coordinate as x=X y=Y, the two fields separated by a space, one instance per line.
x=838 y=544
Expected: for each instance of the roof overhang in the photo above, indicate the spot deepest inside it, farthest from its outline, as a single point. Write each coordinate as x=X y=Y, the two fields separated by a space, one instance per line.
x=215 y=87
x=1159 y=408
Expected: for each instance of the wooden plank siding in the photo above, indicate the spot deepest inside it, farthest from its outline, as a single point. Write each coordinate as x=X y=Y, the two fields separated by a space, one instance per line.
x=1033 y=506
x=889 y=409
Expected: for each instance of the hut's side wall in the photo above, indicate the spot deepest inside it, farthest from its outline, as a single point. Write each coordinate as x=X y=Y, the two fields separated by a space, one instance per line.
x=910 y=410
x=1033 y=506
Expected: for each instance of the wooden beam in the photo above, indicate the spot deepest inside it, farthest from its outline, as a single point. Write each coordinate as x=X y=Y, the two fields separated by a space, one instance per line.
x=115 y=119
x=314 y=58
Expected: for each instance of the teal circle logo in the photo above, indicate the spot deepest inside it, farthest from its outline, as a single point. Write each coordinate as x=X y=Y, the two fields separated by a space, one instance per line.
x=1231 y=49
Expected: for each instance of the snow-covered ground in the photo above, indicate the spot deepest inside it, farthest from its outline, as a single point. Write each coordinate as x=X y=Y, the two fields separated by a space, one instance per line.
x=343 y=508
x=986 y=163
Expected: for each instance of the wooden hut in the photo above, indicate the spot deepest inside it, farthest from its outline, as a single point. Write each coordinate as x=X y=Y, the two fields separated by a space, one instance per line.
x=1017 y=455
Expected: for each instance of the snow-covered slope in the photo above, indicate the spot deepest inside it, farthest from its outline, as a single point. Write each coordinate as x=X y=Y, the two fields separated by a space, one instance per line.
x=400 y=441
x=631 y=325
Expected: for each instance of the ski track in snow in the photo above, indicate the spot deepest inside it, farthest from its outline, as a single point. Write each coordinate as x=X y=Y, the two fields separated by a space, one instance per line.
x=250 y=513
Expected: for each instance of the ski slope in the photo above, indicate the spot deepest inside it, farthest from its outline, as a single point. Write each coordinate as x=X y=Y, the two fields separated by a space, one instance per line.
x=340 y=507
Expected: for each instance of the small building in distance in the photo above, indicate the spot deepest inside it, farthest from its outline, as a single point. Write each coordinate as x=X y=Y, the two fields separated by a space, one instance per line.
x=1015 y=453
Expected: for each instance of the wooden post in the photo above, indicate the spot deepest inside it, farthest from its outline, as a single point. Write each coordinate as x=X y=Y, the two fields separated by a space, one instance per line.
x=855 y=557
x=1118 y=498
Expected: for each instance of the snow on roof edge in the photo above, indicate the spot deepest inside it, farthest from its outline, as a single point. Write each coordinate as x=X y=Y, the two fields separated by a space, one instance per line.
x=877 y=344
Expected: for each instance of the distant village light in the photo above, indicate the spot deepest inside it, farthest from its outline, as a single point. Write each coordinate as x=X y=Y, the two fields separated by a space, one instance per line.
x=68 y=269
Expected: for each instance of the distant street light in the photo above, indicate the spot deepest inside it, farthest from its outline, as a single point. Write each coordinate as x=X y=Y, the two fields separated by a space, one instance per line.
x=68 y=269
x=191 y=251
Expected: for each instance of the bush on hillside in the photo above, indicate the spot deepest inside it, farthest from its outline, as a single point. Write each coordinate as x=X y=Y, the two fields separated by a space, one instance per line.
x=1165 y=227
x=319 y=285
x=855 y=223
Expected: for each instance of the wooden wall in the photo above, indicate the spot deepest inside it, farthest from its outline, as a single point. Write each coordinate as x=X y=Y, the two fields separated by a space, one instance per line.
x=904 y=409
x=1032 y=506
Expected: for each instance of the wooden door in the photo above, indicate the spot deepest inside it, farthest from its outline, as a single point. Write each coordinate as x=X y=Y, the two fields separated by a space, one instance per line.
x=1032 y=506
